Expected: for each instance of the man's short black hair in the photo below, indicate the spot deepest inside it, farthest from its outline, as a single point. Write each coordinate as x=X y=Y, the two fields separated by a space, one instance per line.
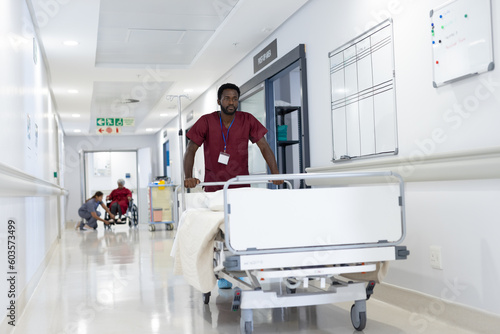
x=227 y=86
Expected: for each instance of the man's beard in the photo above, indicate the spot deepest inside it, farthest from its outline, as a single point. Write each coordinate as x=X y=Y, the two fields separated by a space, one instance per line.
x=225 y=111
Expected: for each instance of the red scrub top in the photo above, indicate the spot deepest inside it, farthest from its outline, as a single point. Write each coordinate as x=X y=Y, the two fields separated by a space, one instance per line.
x=208 y=131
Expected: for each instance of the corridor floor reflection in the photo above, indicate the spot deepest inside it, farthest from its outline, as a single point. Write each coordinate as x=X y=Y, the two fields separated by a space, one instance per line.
x=121 y=281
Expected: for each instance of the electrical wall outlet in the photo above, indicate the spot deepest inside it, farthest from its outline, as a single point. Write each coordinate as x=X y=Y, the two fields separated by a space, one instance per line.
x=436 y=257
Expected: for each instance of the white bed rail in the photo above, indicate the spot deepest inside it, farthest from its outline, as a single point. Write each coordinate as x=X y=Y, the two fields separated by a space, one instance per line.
x=209 y=184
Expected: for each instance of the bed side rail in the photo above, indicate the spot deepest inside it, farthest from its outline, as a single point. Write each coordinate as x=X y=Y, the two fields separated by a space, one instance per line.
x=367 y=211
x=178 y=206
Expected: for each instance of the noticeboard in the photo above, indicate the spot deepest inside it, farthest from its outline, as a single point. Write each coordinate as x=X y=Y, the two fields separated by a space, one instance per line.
x=462 y=42
x=363 y=102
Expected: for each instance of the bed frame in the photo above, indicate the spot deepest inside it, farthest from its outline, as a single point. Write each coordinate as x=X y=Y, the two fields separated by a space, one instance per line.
x=295 y=247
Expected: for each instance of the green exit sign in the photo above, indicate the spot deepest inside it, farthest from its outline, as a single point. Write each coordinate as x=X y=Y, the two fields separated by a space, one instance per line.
x=108 y=121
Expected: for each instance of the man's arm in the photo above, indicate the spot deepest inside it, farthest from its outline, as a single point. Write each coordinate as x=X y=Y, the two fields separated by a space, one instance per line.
x=268 y=155
x=189 y=181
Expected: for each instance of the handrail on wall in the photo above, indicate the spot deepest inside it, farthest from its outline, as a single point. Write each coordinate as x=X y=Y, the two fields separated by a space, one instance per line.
x=15 y=182
x=461 y=165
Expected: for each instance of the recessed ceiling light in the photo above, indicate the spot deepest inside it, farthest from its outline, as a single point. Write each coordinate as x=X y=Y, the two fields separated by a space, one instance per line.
x=163 y=115
x=131 y=101
x=149 y=129
x=76 y=115
x=73 y=91
x=77 y=130
x=70 y=43
x=188 y=90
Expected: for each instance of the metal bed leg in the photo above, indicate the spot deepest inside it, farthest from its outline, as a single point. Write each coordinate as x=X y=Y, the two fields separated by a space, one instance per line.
x=255 y=282
x=246 y=321
x=206 y=297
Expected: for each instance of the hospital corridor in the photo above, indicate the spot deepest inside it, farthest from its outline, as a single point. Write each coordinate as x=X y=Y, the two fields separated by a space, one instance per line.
x=249 y=166
x=122 y=282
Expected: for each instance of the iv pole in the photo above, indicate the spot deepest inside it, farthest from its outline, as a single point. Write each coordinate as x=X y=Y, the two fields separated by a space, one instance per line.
x=181 y=142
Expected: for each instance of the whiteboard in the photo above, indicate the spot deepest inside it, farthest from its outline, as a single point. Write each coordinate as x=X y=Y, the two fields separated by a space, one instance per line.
x=363 y=106
x=462 y=42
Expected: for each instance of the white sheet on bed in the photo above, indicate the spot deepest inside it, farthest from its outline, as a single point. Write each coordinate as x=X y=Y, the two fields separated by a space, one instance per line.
x=193 y=247
x=198 y=227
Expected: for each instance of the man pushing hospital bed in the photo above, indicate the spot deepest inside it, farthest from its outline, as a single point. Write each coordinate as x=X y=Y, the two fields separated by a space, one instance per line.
x=319 y=244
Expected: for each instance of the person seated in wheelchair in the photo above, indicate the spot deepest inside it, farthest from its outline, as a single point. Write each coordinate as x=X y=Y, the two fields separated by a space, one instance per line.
x=120 y=198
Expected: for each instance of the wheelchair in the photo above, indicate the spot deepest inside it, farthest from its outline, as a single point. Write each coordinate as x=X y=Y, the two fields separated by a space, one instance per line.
x=131 y=217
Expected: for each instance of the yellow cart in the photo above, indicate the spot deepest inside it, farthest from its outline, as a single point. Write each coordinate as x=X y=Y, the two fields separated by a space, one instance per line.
x=160 y=205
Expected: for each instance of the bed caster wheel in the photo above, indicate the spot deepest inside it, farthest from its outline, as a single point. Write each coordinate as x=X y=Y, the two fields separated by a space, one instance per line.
x=358 y=318
x=246 y=327
x=206 y=298
x=152 y=227
x=246 y=321
x=291 y=286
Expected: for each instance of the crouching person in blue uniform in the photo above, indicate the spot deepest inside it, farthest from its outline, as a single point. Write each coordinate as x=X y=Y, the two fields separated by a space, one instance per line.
x=88 y=211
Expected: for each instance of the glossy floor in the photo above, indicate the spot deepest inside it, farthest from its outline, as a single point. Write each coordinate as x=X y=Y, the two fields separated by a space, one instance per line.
x=121 y=282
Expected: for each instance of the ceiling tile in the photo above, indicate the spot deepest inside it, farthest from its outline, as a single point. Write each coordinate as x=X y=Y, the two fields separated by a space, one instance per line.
x=153 y=36
x=111 y=64
x=156 y=31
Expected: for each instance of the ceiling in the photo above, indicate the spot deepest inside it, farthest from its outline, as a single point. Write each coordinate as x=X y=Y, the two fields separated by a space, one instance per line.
x=132 y=54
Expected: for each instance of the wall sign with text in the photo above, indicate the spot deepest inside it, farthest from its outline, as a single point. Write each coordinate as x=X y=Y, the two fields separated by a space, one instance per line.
x=266 y=56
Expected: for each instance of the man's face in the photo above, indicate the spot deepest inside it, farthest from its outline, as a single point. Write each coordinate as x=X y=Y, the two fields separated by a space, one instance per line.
x=229 y=101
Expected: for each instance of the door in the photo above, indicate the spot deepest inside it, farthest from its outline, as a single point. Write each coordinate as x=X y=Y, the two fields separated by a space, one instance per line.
x=166 y=159
x=285 y=106
x=144 y=167
x=254 y=102
x=285 y=86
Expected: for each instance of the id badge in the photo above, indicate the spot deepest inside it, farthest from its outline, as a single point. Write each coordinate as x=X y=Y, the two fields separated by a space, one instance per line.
x=223 y=158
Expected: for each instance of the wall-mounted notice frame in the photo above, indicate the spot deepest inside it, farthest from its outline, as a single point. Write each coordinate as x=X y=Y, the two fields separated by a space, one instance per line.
x=462 y=40
x=363 y=95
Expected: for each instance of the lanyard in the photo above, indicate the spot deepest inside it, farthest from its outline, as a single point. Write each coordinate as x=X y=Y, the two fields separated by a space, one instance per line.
x=224 y=137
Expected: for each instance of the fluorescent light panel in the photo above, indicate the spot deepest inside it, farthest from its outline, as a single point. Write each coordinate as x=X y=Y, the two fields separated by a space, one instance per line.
x=70 y=43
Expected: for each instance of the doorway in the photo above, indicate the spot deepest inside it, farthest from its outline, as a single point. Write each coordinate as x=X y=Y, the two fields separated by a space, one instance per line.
x=166 y=159
x=285 y=92
x=254 y=102
x=281 y=91
x=103 y=169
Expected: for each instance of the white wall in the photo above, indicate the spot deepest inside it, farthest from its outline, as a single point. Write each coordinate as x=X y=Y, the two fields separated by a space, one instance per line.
x=73 y=174
x=30 y=150
x=459 y=216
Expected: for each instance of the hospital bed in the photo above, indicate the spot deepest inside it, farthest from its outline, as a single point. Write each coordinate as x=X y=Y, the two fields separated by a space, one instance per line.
x=294 y=247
